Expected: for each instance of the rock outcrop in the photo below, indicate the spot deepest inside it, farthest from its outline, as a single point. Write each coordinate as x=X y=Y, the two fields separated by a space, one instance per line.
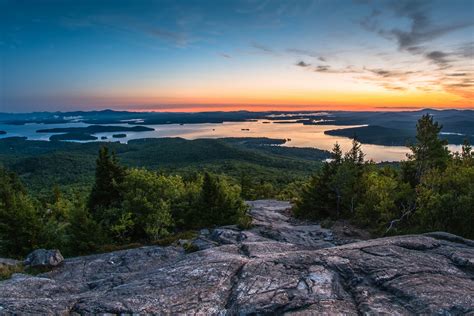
x=42 y=258
x=279 y=266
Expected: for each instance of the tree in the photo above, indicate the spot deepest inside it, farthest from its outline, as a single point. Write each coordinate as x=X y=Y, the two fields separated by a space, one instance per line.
x=335 y=190
x=84 y=234
x=445 y=200
x=428 y=152
x=386 y=201
x=148 y=198
x=20 y=221
x=109 y=176
x=219 y=203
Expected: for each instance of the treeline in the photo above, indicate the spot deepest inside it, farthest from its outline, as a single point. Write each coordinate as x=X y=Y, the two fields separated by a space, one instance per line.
x=433 y=190
x=125 y=205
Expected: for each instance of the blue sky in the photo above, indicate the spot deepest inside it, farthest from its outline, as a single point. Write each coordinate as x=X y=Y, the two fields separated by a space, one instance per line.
x=167 y=55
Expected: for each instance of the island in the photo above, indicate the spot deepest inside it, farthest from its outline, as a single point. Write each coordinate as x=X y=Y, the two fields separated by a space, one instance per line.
x=72 y=137
x=92 y=129
x=119 y=135
x=377 y=135
x=85 y=133
x=387 y=136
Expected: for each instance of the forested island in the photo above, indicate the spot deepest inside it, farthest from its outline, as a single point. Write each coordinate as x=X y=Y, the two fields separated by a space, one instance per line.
x=388 y=136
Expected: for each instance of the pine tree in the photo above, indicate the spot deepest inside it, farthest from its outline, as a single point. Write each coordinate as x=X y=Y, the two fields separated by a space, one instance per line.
x=218 y=203
x=109 y=175
x=20 y=221
x=428 y=152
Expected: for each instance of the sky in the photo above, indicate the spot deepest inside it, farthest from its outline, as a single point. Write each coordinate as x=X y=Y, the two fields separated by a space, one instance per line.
x=229 y=55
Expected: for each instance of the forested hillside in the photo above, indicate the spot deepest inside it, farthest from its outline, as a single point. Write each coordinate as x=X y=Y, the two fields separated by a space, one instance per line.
x=42 y=165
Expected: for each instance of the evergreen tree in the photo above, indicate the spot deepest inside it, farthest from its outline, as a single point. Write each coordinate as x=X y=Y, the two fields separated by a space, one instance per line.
x=109 y=175
x=218 y=204
x=428 y=152
x=20 y=221
x=84 y=234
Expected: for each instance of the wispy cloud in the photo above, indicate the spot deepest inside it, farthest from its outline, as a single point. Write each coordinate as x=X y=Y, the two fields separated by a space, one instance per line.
x=421 y=30
x=262 y=48
x=225 y=55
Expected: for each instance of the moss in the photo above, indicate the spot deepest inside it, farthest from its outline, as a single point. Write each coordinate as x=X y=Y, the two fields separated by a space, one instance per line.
x=244 y=222
x=190 y=247
x=6 y=271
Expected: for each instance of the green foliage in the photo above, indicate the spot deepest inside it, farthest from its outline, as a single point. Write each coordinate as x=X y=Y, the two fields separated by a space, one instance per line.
x=6 y=271
x=84 y=234
x=20 y=221
x=147 y=197
x=445 y=200
x=41 y=165
x=219 y=203
x=385 y=198
x=335 y=190
x=434 y=190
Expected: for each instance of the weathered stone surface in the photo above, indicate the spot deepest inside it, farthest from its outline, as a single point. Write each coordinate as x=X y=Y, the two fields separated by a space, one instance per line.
x=44 y=258
x=267 y=269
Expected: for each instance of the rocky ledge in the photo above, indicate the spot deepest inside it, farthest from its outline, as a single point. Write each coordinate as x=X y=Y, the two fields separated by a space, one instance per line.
x=279 y=266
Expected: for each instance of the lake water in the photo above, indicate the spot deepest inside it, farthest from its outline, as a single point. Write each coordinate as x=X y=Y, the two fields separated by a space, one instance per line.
x=299 y=135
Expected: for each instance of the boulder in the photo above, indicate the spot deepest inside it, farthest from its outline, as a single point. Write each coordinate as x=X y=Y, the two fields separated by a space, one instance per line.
x=43 y=258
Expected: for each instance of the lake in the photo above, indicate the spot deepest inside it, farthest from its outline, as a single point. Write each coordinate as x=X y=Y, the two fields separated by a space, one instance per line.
x=297 y=134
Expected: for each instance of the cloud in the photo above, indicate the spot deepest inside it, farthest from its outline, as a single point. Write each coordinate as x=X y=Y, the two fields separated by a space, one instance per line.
x=225 y=55
x=390 y=73
x=421 y=29
x=392 y=87
x=457 y=74
x=180 y=39
x=302 y=64
x=438 y=57
x=416 y=39
x=263 y=48
x=322 y=68
x=305 y=52
x=466 y=50
x=330 y=70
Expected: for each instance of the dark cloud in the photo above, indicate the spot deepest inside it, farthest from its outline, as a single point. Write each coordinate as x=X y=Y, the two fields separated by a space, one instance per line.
x=457 y=74
x=390 y=73
x=392 y=87
x=438 y=57
x=330 y=70
x=322 y=68
x=302 y=64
